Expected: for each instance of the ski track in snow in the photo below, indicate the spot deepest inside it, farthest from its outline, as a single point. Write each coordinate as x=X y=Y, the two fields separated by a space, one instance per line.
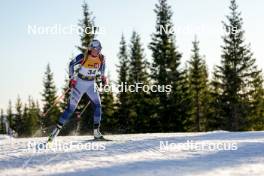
x=138 y=155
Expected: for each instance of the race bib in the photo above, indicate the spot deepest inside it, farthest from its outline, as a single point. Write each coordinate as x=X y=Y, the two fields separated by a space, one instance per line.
x=88 y=71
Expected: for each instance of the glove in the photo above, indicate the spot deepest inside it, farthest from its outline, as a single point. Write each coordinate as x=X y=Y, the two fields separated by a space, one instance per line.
x=104 y=80
x=72 y=83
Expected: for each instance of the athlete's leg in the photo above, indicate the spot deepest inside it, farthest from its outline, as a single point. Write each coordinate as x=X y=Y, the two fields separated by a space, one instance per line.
x=94 y=96
x=75 y=96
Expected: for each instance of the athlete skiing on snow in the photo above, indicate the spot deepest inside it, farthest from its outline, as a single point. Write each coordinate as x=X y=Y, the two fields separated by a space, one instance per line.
x=90 y=63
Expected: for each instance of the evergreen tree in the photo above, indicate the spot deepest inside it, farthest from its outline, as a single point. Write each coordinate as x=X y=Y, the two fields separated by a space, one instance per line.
x=109 y=121
x=256 y=119
x=38 y=130
x=32 y=116
x=123 y=107
x=138 y=64
x=25 y=116
x=2 y=126
x=49 y=98
x=10 y=115
x=236 y=73
x=18 y=121
x=165 y=70
x=215 y=120
x=138 y=101
x=182 y=99
x=198 y=80
x=86 y=24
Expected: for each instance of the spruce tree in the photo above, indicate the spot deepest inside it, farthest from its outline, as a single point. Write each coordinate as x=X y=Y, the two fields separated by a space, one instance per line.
x=182 y=99
x=138 y=101
x=38 y=130
x=255 y=120
x=86 y=23
x=123 y=107
x=198 y=80
x=109 y=121
x=2 y=126
x=215 y=120
x=10 y=115
x=48 y=98
x=18 y=121
x=234 y=76
x=165 y=70
x=31 y=118
x=25 y=116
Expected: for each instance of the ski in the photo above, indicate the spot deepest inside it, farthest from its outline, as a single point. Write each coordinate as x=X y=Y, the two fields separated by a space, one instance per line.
x=100 y=139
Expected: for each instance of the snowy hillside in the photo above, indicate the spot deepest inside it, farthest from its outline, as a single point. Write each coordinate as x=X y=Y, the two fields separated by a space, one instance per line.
x=168 y=154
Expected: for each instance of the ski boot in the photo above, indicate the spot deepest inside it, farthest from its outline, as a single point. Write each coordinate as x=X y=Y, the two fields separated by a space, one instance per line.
x=97 y=134
x=55 y=132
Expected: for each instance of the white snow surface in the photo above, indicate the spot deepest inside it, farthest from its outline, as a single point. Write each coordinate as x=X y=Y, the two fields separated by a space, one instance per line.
x=138 y=155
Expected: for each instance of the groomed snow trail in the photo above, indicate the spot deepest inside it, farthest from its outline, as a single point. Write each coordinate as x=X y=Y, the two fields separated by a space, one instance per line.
x=240 y=153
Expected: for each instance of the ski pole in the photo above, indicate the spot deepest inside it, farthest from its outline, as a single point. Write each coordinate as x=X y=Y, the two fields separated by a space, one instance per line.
x=57 y=101
x=79 y=115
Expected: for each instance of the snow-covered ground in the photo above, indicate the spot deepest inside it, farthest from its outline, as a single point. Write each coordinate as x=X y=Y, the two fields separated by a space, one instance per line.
x=168 y=154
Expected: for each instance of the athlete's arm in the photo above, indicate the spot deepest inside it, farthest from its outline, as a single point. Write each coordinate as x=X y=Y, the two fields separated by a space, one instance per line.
x=77 y=60
x=102 y=67
x=102 y=71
